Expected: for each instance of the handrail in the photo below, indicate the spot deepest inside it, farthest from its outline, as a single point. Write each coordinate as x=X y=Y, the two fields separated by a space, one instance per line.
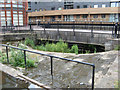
x=51 y=58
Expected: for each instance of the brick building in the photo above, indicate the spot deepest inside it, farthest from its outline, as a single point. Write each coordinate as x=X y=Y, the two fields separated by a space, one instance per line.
x=13 y=12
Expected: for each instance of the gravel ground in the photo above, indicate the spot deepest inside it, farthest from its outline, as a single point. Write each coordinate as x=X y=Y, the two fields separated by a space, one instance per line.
x=73 y=75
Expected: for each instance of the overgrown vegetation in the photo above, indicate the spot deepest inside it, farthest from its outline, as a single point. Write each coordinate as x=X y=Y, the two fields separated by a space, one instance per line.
x=117 y=47
x=58 y=47
x=16 y=58
x=29 y=42
x=3 y=58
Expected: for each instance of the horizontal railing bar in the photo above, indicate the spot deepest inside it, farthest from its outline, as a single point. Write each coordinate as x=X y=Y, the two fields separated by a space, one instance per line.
x=49 y=55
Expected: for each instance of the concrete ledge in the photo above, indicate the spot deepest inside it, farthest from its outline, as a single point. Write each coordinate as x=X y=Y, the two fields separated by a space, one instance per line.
x=18 y=75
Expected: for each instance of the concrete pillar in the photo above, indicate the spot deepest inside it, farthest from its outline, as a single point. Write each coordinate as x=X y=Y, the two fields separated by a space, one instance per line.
x=109 y=46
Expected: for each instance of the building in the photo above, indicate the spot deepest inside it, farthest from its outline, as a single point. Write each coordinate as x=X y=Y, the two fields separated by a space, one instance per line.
x=39 y=5
x=76 y=11
x=13 y=12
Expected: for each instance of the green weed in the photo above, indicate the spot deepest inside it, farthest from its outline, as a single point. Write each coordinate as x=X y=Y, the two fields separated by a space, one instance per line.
x=58 y=47
x=87 y=51
x=74 y=49
x=16 y=58
x=29 y=42
x=117 y=47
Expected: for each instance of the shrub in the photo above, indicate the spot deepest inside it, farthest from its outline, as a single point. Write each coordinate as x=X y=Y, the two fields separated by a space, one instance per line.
x=30 y=63
x=17 y=59
x=29 y=42
x=117 y=47
x=74 y=49
x=58 y=47
x=95 y=50
x=40 y=47
x=3 y=57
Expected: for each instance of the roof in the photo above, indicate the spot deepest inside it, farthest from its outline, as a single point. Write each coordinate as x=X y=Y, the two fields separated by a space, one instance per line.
x=107 y=10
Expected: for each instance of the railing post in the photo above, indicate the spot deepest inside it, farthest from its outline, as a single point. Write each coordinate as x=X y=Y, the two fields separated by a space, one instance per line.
x=93 y=77
x=119 y=30
x=51 y=58
x=58 y=26
x=74 y=27
x=44 y=26
x=116 y=27
x=25 y=59
x=7 y=54
x=92 y=31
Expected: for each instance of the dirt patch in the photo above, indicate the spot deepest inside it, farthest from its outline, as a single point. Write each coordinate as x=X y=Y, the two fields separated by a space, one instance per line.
x=73 y=75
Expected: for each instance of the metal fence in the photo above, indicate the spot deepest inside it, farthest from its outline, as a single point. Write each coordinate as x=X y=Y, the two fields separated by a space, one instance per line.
x=74 y=25
x=77 y=25
x=51 y=59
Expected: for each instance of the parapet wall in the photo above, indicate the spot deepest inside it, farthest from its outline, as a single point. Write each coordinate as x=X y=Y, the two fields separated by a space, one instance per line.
x=85 y=37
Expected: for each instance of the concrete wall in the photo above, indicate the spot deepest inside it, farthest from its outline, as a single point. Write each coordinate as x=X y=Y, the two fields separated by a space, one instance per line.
x=16 y=36
x=79 y=36
x=103 y=39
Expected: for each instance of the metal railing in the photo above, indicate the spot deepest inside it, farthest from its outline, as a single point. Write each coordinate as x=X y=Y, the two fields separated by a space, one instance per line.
x=51 y=59
x=74 y=25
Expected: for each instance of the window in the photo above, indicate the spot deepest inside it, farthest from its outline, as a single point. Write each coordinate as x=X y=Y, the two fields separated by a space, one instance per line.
x=44 y=9
x=78 y=6
x=20 y=6
x=59 y=17
x=103 y=16
x=53 y=8
x=95 y=6
x=1 y=5
x=2 y=13
x=84 y=6
x=35 y=10
x=14 y=11
x=115 y=4
x=8 y=18
x=85 y=16
x=8 y=13
x=103 y=5
x=8 y=5
x=20 y=1
x=35 y=2
x=15 y=15
x=21 y=15
x=8 y=1
x=20 y=12
x=59 y=8
x=40 y=9
x=1 y=1
x=3 y=23
x=14 y=5
x=95 y=16
x=2 y=18
x=78 y=17
x=13 y=1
